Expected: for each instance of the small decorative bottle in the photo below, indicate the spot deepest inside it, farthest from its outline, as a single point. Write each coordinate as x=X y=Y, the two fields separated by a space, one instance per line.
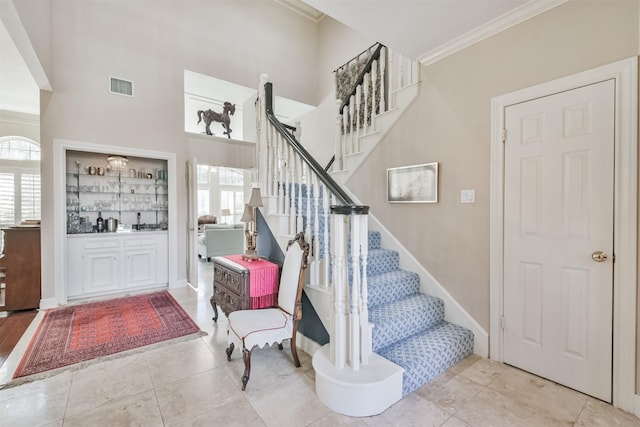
x=100 y=223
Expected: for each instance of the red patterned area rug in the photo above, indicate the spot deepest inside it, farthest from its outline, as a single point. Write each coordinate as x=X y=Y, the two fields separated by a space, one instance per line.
x=78 y=333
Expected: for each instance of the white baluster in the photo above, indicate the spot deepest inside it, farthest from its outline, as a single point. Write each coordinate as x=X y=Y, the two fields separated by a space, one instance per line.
x=345 y=134
x=367 y=78
x=292 y=196
x=374 y=86
x=356 y=147
x=383 y=93
x=308 y=186
x=279 y=174
x=299 y=210
x=316 y=221
x=352 y=118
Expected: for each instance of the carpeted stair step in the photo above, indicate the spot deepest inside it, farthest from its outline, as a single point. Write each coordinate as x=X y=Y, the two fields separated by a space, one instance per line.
x=429 y=353
x=382 y=261
x=402 y=318
x=392 y=286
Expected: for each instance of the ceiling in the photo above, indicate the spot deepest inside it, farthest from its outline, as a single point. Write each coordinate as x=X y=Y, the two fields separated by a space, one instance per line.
x=425 y=30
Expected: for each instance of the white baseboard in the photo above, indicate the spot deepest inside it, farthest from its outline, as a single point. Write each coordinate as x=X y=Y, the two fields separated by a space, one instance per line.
x=47 y=303
x=307 y=344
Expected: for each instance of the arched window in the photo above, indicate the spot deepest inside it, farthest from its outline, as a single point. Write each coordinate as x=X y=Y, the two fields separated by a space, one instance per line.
x=19 y=180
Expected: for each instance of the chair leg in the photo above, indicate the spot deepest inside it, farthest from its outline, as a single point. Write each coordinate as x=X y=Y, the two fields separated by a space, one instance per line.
x=229 y=351
x=246 y=355
x=215 y=309
x=294 y=350
x=280 y=347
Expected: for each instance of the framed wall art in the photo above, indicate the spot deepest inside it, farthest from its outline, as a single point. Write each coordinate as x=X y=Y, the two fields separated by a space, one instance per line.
x=413 y=184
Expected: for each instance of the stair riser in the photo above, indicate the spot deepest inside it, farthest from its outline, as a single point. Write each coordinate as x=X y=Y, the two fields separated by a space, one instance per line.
x=400 y=319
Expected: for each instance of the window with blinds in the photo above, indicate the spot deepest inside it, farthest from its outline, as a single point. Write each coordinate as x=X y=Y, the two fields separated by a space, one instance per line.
x=19 y=180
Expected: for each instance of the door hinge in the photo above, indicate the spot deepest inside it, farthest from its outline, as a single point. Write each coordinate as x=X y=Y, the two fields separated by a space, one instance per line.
x=501 y=322
x=504 y=135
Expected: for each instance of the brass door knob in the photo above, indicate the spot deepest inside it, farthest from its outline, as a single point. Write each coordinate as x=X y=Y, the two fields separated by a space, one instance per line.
x=599 y=256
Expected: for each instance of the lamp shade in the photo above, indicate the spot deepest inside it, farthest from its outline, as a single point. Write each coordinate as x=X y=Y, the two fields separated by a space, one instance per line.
x=225 y=212
x=247 y=216
x=256 y=199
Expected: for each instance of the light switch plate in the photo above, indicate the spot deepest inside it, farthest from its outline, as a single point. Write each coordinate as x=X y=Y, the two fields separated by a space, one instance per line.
x=468 y=196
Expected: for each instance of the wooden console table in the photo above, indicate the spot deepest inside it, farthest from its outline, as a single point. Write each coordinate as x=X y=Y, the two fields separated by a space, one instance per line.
x=20 y=263
x=242 y=285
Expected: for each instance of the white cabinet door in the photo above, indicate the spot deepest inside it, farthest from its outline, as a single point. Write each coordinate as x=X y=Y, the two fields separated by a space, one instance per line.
x=140 y=267
x=100 y=271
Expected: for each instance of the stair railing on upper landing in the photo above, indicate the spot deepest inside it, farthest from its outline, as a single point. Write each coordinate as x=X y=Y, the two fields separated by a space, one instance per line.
x=366 y=86
x=300 y=193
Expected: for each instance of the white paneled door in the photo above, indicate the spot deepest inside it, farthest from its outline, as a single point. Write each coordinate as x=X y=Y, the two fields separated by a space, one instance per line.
x=558 y=237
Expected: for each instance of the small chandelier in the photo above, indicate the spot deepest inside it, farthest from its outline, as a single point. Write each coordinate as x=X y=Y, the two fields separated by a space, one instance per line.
x=117 y=162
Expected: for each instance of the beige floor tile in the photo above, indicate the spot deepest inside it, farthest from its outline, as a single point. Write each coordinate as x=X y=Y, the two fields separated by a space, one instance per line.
x=332 y=419
x=600 y=414
x=194 y=356
x=34 y=409
x=187 y=398
x=451 y=395
x=483 y=371
x=490 y=408
x=412 y=410
x=289 y=403
x=237 y=413
x=453 y=421
x=53 y=384
x=549 y=398
x=108 y=382
x=137 y=410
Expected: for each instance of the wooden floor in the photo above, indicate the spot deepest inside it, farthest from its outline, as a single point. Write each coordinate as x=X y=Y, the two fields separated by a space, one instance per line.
x=11 y=329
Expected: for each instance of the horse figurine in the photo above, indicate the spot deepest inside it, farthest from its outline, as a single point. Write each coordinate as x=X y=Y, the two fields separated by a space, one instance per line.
x=211 y=116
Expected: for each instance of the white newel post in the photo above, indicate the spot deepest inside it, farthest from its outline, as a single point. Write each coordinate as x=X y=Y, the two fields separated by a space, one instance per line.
x=366 y=339
x=354 y=312
x=339 y=303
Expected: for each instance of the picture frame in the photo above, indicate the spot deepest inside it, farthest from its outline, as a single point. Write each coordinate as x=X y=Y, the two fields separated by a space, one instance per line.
x=413 y=184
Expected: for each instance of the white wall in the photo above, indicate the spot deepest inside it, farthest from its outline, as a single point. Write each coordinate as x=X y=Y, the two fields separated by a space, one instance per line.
x=152 y=46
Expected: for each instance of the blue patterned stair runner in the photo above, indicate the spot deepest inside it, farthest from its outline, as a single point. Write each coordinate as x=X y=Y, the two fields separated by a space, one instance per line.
x=410 y=329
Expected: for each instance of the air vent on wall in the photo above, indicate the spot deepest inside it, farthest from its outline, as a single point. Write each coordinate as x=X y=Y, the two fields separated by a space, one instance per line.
x=121 y=87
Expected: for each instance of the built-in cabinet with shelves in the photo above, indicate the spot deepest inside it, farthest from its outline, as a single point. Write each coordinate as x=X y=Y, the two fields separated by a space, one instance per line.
x=117 y=262
x=133 y=256
x=136 y=197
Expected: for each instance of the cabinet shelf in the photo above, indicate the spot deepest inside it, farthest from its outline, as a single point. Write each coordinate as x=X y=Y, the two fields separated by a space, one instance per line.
x=115 y=195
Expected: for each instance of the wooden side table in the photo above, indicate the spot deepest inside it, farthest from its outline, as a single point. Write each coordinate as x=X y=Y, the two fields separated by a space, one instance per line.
x=242 y=285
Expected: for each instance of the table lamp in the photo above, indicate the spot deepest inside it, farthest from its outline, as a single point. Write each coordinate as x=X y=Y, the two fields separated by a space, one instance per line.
x=225 y=213
x=251 y=230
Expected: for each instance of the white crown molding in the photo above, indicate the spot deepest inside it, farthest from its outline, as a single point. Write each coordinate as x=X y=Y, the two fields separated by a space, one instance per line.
x=506 y=21
x=16 y=117
x=303 y=9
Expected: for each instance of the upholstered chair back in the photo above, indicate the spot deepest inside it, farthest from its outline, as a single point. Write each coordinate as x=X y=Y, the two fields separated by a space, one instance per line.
x=290 y=277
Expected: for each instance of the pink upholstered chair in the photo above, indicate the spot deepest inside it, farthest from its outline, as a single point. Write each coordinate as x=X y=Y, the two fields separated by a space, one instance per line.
x=267 y=326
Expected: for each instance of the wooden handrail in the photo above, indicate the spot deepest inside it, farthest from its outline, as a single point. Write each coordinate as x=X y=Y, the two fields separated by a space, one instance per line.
x=326 y=179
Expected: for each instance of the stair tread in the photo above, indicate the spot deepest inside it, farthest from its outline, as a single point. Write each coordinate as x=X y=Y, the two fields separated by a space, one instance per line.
x=428 y=353
x=391 y=286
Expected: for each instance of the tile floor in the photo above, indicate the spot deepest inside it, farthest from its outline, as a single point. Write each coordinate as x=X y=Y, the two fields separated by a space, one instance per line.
x=190 y=383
